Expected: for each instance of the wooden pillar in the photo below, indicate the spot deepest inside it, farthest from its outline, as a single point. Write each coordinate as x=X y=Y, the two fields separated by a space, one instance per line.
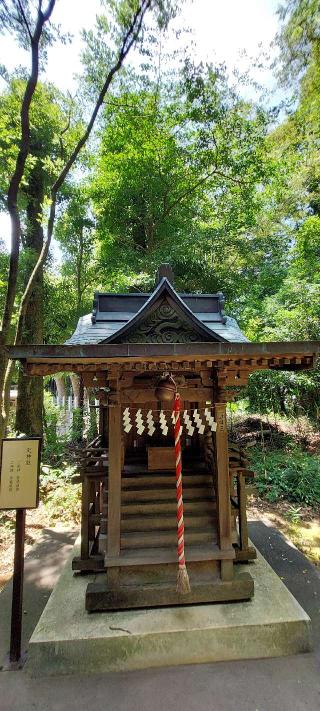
x=242 y=503
x=85 y=518
x=114 y=480
x=223 y=489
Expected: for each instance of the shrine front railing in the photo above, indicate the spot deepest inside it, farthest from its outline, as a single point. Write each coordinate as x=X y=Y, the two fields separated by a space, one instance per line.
x=93 y=476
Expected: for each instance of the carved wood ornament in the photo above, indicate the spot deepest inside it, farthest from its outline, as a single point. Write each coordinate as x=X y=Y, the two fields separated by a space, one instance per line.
x=162 y=326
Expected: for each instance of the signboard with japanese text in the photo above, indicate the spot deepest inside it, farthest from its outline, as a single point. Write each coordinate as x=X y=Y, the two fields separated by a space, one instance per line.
x=19 y=474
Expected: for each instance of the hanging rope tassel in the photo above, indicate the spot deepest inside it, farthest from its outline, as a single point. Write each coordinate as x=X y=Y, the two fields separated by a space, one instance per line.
x=183 y=585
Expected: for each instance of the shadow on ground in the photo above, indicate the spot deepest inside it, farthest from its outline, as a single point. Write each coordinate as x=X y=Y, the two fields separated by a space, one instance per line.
x=43 y=566
x=299 y=575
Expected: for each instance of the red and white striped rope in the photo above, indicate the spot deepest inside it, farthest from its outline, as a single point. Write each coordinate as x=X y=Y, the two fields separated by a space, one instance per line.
x=183 y=586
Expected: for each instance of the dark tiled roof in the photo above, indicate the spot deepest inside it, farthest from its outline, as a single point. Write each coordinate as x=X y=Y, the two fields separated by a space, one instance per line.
x=115 y=315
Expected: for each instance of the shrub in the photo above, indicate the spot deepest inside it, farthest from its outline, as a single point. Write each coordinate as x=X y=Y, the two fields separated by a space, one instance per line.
x=292 y=475
x=76 y=431
x=286 y=393
x=61 y=498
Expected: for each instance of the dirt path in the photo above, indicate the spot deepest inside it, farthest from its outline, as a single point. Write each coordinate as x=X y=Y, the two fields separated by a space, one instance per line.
x=36 y=521
x=59 y=506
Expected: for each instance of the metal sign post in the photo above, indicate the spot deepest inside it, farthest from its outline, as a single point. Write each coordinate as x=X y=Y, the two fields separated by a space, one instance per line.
x=19 y=489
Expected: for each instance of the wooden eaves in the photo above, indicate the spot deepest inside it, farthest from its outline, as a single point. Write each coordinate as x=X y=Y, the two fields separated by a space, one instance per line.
x=47 y=359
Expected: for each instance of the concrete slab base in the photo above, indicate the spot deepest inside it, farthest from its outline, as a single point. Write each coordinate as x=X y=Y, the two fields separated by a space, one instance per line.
x=69 y=640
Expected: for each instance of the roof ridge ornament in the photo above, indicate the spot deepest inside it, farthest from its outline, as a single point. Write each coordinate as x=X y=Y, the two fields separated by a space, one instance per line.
x=165 y=270
x=221 y=305
x=95 y=307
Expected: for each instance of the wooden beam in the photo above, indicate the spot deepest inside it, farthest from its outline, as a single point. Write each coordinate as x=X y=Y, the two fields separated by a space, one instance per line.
x=100 y=596
x=43 y=360
x=141 y=395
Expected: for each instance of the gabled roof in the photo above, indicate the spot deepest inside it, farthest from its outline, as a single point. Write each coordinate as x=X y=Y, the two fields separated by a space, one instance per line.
x=163 y=316
x=174 y=308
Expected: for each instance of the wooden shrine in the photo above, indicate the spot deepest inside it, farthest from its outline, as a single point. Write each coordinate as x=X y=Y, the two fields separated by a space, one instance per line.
x=129 y=528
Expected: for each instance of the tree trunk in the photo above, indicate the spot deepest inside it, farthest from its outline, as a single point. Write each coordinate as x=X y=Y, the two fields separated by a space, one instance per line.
x=93 y=427
x=12 y=196
x=30 y=390
x=75 y=382
x=130 y=36
x=61 y=389
x=78 y=411
x=79 y=263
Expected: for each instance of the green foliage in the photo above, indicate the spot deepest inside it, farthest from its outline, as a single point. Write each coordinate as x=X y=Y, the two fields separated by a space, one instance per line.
x=54 y=446
x=286 y=393
x=76 y=432
x=291 y=309
x=51 y=132
x=294 y=514
x=75 y=234
x=307 y=251
x=23 y=23
x=299 y=36
x=54 y=127
x=4 y=262
x=183 y=175
x=293 y=475
x=60 y=316
x=113 y=22
x=61 y=498
x=92 y=426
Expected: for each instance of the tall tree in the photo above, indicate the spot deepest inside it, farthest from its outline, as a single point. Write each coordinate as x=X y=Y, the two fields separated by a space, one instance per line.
x=29 y=26
x=298 y=39
x=292 y=311
x=124 y=32
x=182 y=175
x=52 y=133
x=75 y=234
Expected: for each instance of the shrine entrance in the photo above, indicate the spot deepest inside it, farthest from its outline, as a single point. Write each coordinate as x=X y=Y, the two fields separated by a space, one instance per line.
x=129 y=524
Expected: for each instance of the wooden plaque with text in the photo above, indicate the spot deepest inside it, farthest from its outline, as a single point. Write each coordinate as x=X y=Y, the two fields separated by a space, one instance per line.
x=19 y=473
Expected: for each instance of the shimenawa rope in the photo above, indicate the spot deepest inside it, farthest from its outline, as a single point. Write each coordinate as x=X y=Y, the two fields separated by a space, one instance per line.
x=183 y=585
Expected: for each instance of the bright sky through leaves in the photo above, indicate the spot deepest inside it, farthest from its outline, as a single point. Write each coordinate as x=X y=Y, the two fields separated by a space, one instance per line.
x=222 y=29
